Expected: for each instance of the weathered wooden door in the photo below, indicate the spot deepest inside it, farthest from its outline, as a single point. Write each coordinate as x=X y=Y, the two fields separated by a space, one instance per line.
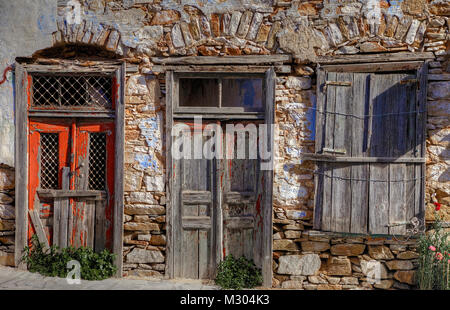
x=71 y=180
x=218 y=203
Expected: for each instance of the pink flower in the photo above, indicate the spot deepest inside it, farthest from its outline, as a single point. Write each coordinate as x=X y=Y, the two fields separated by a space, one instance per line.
x=438 y=206
x=432 y=248
x=439 y=256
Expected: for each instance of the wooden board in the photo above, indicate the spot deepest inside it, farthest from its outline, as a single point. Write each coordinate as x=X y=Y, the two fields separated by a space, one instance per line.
x=226 y=60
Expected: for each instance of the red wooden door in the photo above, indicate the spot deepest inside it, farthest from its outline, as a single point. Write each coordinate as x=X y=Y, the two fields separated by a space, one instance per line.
x=71 y=179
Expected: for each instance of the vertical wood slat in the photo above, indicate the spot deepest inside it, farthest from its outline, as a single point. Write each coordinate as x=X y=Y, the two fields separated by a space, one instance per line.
x=62 y=206
x=359 y=189
x=118 y=168
x=21 y=164
x=269 y=92
x=34 y=215
x=328 y=142
x=318 y=178
x=170 y=178
x=341 y=188
x=379 y=191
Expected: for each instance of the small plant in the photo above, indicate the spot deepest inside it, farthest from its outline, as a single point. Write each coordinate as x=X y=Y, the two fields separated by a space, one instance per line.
x=238 y=273
x=434 y=258
x=53 y=262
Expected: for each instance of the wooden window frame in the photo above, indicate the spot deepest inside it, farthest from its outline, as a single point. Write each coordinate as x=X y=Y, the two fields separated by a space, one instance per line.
x=268 y=74
x=364 y=64
x=23 y=81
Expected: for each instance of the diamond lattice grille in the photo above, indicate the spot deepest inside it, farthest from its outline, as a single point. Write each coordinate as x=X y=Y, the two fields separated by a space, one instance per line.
x=49 y=160
x=97 y=161
x=69 y=91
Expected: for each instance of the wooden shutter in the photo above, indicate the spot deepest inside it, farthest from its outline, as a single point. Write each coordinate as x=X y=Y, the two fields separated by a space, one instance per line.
x=370 y=149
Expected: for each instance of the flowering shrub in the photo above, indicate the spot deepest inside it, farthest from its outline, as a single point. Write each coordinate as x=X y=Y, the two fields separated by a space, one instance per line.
x=434 y=259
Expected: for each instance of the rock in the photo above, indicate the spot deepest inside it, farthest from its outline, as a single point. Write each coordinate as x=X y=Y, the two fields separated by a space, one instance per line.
x=146 y=237
x=7 y=179
x=5 y=199
x=292 y=234
x=408 y=277
x=374 y=269
x=244 y=24
x=349 y=249
x=349 y=281
x=285 y=245
x=371 y=47
x=401 y=286
x=339 y=266
x=384 y=284
x=298 y=83
x=306 y=265
x=154 y=183
x=141 y=197
x=328 y=287
x=292 y=284
x=165 y=17
x=6 y=225
x=407 y=255
x=158 y=240
x=399 y=265
x=275 y=282
x=439 y=108
x=380 y=252
x=141 y=226
x=348 y=50
x=132 y=180
x=317 y=280
x=436 y=90
x=333 y=280
x=7 y=212
x=313 y=246
x=7 y=240
x=177 y=36
x=144 y=256
x=144 y=209
x=7 y=259
x=310 y=287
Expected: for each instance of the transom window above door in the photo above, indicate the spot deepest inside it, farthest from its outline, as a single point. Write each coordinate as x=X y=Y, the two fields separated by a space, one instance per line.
x=239 y=94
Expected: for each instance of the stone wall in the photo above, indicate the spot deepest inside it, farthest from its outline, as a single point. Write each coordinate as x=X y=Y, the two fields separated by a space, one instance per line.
x=7 y=215
x=136 y=30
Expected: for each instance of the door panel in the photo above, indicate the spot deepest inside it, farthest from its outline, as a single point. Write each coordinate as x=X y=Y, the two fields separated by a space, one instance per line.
x=195 y=247
x=68 y=158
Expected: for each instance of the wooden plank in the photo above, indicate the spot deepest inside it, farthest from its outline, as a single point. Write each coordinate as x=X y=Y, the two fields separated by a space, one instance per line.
x=190 y=245
x=341 y=189
x=196 y=197
x=118 y=207
x=267 y=181
x=359 y=189
x=204 y=254
x=356 y=159
x=224 y=116
x=39 y=228
x=319 y=138
x=328 y=142
x=56 y=193
x=56 y=221
x=222 y=60
x=239 y=222
x=100 y=226
x=90 y=223
x=64 y=212
x=285 y=69
x=374 y=67
x=370 y=58
x=65 y=114
x=21 y=164
x=171 y=200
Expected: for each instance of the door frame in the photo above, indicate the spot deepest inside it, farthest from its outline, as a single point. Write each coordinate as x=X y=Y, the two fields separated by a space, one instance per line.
x=23 y=97
x=268 y=74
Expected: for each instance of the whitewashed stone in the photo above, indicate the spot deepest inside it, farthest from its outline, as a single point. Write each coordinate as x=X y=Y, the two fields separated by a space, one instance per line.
x=137 y=85
x=7 y=178
x=234 y=22
x=144 y=256
x=177 y=37
x=298 y=83
x=306 y=265
x=132 y=180
x=141 y=197
x=411 y=35
x=334 y=35
x=254 y=26
x=154 y=183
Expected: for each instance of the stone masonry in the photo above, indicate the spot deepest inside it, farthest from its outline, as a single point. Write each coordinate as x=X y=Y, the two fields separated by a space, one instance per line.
x=136 y=30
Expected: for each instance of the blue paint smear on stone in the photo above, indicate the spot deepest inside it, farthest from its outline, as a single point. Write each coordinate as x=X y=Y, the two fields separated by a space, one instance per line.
x=146 y=161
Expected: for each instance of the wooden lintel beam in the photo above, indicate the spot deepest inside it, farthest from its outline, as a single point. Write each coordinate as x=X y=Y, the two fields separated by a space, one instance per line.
x=369 y=58
x=223 y=60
